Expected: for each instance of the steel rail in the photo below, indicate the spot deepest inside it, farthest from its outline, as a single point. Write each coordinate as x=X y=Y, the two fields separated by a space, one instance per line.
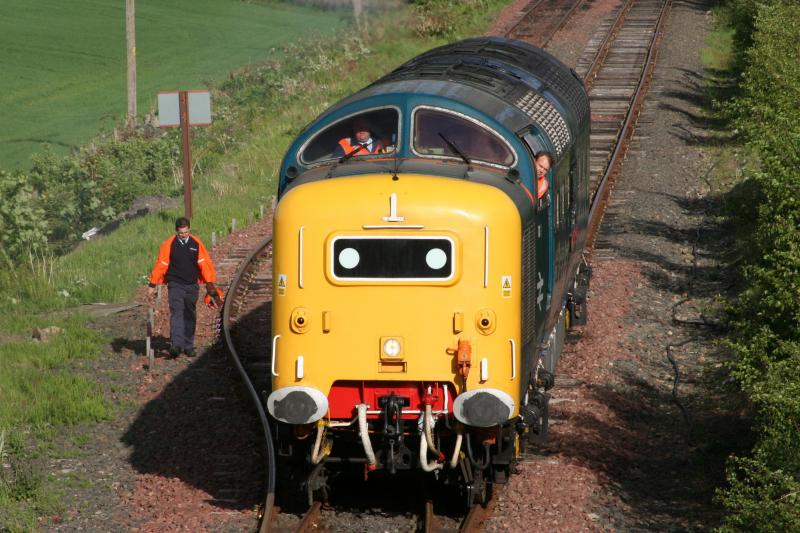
x=429 y=519
x=309 y=521
x=269 y=449
x=478 y=514
x=562 y=22
x=621 y=147
x=525 y=14
x=605 y=46
x=548 y=28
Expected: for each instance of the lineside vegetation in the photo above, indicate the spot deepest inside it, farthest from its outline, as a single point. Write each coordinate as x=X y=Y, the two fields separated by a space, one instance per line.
x=46 y=272
x=763 y=492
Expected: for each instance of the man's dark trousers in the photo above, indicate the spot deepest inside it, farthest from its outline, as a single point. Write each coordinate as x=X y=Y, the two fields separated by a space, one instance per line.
x=183 y=313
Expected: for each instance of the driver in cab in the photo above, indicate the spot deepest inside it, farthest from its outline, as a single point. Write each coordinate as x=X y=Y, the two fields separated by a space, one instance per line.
x=360 y=143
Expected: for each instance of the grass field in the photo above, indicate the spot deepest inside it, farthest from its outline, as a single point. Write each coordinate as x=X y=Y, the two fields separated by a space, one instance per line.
x=64 y=63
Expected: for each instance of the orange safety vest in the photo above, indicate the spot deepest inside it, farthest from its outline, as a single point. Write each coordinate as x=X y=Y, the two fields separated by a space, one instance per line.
x=204 y=264
x=541 y=187
x=377 y=147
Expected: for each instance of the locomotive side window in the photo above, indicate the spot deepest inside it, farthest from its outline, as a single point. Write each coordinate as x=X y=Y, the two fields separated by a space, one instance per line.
x=437 y=133
x=345 y=136
x=392 y=258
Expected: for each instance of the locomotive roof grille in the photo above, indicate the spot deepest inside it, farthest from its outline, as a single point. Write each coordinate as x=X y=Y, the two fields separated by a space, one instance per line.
x=484 y=53
x=543 y=112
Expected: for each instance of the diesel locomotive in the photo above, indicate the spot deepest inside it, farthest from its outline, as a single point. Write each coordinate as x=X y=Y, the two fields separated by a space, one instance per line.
x=422 y=288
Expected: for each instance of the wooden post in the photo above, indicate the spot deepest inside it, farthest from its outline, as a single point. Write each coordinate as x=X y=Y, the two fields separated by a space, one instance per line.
x=149 y=344
x=183 y=101
x=358 y=9
x=130 y=32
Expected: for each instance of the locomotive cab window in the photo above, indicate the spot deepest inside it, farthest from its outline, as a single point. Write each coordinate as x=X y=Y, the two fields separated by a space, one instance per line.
x=441 y=134
x=362 y=135
x=392 y=258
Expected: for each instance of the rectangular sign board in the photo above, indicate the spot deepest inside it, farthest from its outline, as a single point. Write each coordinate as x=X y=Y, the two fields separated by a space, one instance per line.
x=169 y=115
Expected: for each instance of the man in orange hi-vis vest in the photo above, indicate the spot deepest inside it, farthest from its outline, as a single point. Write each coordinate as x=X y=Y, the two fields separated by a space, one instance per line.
x=183 y=263
x=542 y=161
x=361 y=142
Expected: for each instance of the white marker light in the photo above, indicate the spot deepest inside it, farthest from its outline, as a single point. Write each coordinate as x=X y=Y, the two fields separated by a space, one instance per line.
x=436 y=258
x=391 y=348
x=349 y=258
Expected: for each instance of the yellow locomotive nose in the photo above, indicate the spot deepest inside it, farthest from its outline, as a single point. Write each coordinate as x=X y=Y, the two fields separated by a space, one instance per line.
x=409 y=269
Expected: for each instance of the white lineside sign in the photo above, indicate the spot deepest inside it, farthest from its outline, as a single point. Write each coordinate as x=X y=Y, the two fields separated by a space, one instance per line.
x=185 y=109
x=169 y=115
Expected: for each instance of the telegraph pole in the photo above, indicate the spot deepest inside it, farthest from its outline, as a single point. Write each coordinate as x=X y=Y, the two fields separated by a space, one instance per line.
x=130 y=31
x=358 y=8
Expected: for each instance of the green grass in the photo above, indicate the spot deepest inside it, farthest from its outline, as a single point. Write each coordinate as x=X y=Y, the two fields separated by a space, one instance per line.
x=39 y=394
x=718 y=54
x=731 y=162
x=35 y=390
x=64 y=63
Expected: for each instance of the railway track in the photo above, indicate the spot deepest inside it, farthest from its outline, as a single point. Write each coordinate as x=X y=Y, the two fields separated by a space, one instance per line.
x=616 y=66
x=541 y=19
x=617 y=85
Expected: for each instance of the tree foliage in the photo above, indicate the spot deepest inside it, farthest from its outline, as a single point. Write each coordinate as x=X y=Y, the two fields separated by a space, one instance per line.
x=100 y=181
x=61 y=197
x=763 y=489
x=23 y=225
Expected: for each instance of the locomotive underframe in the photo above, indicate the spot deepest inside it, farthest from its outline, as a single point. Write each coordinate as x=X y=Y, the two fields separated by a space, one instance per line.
x=486 y=457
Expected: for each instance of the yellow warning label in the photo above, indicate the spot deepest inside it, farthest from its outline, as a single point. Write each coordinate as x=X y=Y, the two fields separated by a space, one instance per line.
x=281 y=284
x=506 y=286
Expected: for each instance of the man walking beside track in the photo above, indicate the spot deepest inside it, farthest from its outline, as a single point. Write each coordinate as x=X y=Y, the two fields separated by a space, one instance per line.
x=183 y=262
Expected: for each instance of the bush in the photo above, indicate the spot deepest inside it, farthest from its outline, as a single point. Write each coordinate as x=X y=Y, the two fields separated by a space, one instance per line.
x=439 y=18
x=743 y=19
x=23 y=227
x=765 y=500
x=101 y=181
x=763 y=490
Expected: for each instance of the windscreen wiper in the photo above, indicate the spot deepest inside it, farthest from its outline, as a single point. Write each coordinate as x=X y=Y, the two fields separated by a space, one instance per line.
x=457 y=150
x=342 y=159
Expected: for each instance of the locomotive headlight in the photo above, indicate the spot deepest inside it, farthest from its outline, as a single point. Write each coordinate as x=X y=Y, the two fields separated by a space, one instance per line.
x=436 y=258
x=349 y=258
x=391 y=348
